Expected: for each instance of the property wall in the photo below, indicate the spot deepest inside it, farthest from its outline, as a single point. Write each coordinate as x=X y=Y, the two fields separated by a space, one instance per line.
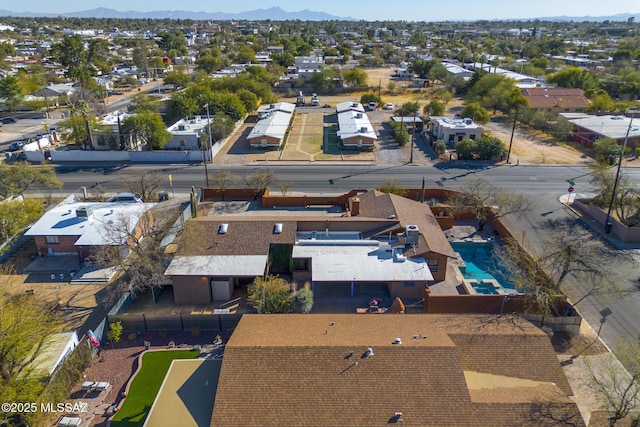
x=491 y=304
x=159 y=156
x=191 y=289
x=230 y=194
x=397 y=289
x=624 y=233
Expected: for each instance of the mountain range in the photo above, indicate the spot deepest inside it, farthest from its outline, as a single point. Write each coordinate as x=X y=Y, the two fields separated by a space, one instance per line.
x=273 y=13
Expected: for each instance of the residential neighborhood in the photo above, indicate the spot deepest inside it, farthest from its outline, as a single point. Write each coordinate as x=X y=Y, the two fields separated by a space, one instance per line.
x=274 y=218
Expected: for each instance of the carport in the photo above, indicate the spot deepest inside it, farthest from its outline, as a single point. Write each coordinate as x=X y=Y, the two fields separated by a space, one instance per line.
x=201 y=279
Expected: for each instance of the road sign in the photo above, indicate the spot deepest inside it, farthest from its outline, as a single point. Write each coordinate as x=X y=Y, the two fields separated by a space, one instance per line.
x=570 y=190
x=571 y=183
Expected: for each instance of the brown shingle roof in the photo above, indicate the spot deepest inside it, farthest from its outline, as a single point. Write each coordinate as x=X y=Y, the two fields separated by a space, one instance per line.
x=408 y=212
x=243 y=237
x=556 y=98
x=309 y=370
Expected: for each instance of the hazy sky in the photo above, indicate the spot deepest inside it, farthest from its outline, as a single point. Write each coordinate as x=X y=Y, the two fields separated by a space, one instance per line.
x=413 y=10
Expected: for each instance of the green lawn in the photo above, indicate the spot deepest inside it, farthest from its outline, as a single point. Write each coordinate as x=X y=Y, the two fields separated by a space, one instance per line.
x=146 y=385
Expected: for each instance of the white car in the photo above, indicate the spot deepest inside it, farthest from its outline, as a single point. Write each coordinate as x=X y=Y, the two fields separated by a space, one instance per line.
x=389 y=106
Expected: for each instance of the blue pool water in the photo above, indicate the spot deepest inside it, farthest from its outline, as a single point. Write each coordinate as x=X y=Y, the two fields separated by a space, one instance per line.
x=482 y=264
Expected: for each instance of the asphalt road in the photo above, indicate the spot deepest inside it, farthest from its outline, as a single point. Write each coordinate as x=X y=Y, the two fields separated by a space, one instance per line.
x=544 y=184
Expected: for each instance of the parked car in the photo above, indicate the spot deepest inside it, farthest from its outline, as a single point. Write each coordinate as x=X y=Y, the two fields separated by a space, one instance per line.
x=8 y=120
x=125 y=198
x=15 y=146
x=389 y=106
x=372 y=106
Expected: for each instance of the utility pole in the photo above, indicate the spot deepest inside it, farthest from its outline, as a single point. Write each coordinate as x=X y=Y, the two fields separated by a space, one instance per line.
x=204 y=156
x=513 y=129
x=413 y=133
x=607 y=222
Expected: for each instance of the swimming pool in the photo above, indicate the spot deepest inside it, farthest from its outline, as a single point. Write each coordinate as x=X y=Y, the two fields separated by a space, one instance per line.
x=483 y=265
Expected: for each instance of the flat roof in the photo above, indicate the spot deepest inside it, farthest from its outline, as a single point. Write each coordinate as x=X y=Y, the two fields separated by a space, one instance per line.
x=62 y=220
x=353 y=123
x=286 y=107
x=609 y=126
x=360 y=260
x=349 y=105
x=455 y=122
x=218 y=265
x=188 y=126
x=275 y=126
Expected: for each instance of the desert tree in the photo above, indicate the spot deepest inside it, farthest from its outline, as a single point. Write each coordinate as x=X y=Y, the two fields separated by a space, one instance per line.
x=486 y=203
x=134 y=248
x=285 y=187
x=25 y=323
x=145 y=184
x=16 y=215
x=391 y=186
x=615 y=382
x=259 y=182
x=571 y=256
x=626 y=203
x=222 y=180
x=17 y=178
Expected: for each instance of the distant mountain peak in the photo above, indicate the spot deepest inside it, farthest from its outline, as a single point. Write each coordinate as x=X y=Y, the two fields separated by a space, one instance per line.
x=273 y=13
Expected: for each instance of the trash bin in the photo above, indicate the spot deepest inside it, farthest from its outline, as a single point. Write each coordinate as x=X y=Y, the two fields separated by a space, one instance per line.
x=162 y=196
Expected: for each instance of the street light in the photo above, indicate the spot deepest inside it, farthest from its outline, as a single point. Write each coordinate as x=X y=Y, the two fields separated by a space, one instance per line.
x=204 y=157
x=604 y=313
x=607 y=223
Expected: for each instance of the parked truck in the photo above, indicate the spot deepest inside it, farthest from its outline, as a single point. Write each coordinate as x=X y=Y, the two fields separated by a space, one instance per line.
x=300 y=101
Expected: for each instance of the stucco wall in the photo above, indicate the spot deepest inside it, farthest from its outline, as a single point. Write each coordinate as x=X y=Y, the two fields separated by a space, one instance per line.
x=191 y=289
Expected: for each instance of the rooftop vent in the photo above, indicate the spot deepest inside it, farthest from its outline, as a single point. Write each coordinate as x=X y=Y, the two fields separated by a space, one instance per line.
x=358 y=115
x=397 y=341
x=397 y=417
x=363 y=130
x=277 y=229
x=83 y=213
x=369 y=352
x=222 y=229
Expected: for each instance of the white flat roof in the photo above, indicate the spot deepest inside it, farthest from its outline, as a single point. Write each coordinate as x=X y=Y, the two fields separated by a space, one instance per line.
x=341 y=261
x=98 y=229
x=609 y=126
x=286 y=107
x=190 y=126
x=455 y=122
x=349 y=105
x=275 y=126
x=218 y=265
x=352 y=123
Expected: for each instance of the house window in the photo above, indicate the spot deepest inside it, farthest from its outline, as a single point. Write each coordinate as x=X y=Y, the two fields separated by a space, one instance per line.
x=473 y=137
x=451 y=138
x=183 y=143
x=409 y=284
x=434 y=265
x=51 y=239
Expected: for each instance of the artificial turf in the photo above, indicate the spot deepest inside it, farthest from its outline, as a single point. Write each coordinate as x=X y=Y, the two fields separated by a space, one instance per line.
x=146 y=384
